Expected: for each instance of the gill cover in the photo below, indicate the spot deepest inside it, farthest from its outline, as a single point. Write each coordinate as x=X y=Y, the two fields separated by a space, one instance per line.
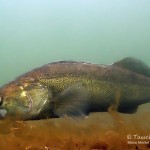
x=27 y=101
x=38 y=97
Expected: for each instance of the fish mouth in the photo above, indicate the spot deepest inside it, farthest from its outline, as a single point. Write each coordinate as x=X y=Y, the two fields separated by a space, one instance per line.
x=3 y=113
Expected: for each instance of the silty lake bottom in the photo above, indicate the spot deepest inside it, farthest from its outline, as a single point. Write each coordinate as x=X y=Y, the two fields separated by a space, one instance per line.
x=100 y=131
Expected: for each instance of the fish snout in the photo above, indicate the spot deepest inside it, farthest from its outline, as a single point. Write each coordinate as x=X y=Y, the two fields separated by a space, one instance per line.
x=3 y=113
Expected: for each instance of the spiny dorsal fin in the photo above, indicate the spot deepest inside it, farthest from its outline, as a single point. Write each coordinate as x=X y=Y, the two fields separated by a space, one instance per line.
x=134 y=65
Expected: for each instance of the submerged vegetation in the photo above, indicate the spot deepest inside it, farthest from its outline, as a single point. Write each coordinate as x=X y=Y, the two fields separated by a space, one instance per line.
x=100 y=131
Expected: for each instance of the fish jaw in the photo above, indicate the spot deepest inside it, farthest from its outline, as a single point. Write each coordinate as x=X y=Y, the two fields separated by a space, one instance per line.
x=3 y=113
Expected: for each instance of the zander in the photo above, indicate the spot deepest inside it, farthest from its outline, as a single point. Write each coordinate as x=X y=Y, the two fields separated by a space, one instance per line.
x=76 y=89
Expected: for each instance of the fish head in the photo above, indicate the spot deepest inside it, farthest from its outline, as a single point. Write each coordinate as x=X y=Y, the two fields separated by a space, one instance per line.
x=12 y=101
x=23 y=100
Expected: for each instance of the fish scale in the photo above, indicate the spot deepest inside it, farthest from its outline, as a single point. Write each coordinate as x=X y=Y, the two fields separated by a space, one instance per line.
x=76 y=89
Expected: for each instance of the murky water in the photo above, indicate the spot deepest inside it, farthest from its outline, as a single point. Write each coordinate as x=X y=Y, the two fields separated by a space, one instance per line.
x=35 y=32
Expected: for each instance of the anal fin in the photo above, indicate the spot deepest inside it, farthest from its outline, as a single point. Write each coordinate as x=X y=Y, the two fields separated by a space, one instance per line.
x=127 y=110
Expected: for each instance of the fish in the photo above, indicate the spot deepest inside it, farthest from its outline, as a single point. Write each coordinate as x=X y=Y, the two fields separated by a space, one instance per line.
x=75 y=89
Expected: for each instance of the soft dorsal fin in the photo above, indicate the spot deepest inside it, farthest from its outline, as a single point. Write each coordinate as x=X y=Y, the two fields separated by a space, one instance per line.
x=134 y=65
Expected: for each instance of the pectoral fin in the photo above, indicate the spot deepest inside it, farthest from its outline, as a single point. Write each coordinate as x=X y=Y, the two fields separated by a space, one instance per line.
x=74 y=101
x=134 y=65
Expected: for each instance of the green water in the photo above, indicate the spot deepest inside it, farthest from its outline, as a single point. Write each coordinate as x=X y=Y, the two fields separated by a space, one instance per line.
x=35 y=32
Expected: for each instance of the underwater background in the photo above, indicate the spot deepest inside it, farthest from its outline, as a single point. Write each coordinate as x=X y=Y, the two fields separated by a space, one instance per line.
x=36 y=32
